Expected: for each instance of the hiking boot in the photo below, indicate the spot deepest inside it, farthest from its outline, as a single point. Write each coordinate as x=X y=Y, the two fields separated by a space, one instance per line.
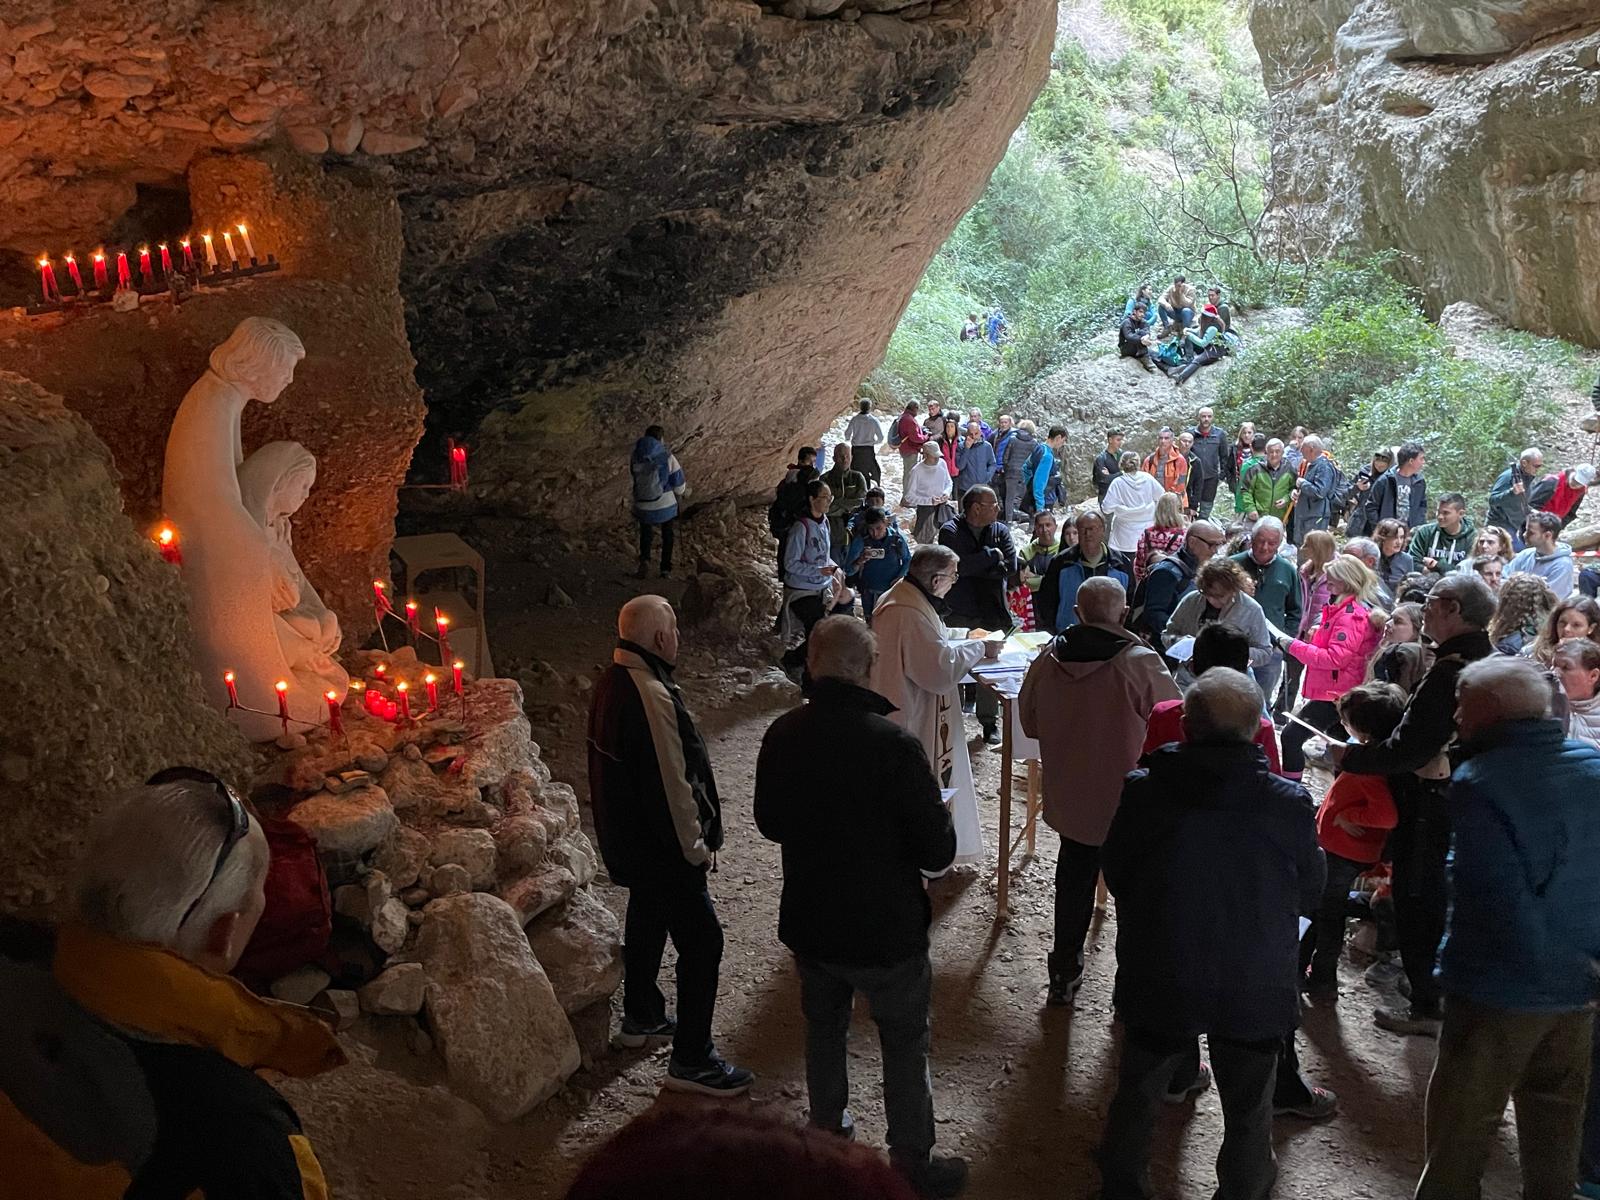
x=1384 y=974
x=1202 y=1081
x=991 y=735
x=1063 y=989
x=714 y=1077
x=936 y=1176
x=1319 y=1105
x=1408 y=1021
x=636 y=1036
x=846 y=1128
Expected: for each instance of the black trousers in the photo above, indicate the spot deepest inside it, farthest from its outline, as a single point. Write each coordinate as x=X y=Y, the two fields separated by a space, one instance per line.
x=1077 y=872
x=1417 y=850
x=865 y=460
x=681 y=909
x=647 y=538
x=1206 y=496
x=1325 y=940
x=1324 y=716
x=808 y=610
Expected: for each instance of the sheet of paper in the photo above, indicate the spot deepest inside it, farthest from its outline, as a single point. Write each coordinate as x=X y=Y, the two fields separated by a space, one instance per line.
x=1181 y=650
x=947 y=795
x=1305 y=924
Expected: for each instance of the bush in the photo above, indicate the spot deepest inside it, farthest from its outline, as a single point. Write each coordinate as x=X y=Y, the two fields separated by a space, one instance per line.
x=1312 y=376
x=926 y=360
x=1472 y=419
x=1345 y=285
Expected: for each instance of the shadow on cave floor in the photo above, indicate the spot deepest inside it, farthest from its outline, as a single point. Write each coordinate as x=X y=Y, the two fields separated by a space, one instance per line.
x=1019 y=1089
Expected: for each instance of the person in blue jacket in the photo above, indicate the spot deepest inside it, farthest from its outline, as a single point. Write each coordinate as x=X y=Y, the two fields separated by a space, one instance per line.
x=878 y=557
x=1041 y=474
x=658 y=485
x=974 y=459
x=1055 y=603
x=1517 y=967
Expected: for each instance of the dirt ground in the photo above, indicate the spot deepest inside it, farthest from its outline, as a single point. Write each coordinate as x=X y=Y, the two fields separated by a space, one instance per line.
x=1020 y=1089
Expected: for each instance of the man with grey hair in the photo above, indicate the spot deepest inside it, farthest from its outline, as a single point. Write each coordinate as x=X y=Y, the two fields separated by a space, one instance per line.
x=1277 y=586
x=1366 y=550
x=1508 y=498
x=1314 y=491
x=854 y=910
x=1416 y=760
x=1517 y=969
x=1087 y=699
x=919 y=671
x=1212 y=859
x=130 y=1065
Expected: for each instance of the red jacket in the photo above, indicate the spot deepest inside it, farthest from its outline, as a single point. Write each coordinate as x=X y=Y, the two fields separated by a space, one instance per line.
x=1362 y=800
x=1336 y=656
x=947 y=451
x=1165 y=726
x=911 y=435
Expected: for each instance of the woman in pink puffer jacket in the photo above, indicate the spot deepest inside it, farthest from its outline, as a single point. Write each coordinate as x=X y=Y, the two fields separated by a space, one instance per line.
x=1336 y=656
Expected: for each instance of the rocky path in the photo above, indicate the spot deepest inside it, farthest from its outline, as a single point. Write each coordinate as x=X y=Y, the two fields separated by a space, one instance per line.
x=1020 y=1089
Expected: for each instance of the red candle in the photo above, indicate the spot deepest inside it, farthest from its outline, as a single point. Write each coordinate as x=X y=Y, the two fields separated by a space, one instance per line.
x=455 y=674
x=188 y=254
x=145 y=273
x=166 y=259
x=167 y=544
x=374 y=701
x=380 y=600
x=124 y=278
x=283 y=704
x=433 y=690
x=405 y=699
x=442 y=624
x=412 y=623
x=233 y=689
x=47 y=280
x=458 y=465
x=391 y=710
x=99 y=269
x=335 y=722
x=72 y=269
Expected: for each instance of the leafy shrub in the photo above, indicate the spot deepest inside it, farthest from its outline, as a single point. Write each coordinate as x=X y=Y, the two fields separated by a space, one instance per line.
x=1472 y=419
x=1343 y=285
x=926 y=360
x=1312 y=376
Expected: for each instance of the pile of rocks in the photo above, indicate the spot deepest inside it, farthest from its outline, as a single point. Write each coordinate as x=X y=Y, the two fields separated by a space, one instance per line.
x=461 y=869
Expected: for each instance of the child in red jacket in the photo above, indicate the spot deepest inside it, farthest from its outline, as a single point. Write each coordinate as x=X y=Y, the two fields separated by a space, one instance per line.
x=1352 y=825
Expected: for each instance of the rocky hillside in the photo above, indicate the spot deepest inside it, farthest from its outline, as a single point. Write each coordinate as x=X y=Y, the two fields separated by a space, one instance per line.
x=1463 y=134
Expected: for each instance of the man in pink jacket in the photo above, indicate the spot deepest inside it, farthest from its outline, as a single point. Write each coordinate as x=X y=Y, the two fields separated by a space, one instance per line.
x=1086 y=699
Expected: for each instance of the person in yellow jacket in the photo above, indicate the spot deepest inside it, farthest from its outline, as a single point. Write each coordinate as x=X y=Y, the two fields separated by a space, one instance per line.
x=128 y=1062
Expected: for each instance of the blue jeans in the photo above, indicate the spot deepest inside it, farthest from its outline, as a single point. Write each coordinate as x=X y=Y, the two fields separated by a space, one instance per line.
x=899 y=996
x=1172 y=316
x=1266 y=677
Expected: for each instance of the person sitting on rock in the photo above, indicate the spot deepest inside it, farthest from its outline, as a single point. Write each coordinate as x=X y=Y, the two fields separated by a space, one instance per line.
x=1132 y=337
x=658 y=820
x=1210 y=345
x=130 y=1065
x=1176 y=306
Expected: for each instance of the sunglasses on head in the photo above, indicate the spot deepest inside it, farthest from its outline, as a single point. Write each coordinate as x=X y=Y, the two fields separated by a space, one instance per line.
x=238 y=821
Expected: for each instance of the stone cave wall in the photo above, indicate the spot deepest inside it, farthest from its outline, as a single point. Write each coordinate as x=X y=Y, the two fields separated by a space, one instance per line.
x=1466 y=135
x=709 y=212
x=101 y=691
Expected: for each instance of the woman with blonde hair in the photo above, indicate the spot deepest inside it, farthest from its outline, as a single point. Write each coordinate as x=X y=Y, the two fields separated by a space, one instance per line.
x=1163 y=538
x=1526 y=602
x=1575 y=617
x=1335 y=657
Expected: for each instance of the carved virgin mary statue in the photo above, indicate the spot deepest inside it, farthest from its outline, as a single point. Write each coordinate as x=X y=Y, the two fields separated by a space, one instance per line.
x=252 y=608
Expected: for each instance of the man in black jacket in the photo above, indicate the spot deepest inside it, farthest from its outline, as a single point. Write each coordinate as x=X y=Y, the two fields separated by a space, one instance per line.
x=1107 y=464
x=854 y=909
x=1131 y=335
x=1171 y=579
x=978 y=597
x=658 y=821
x=1415 y=756
x=1212 y=859
x=1210 y=452
x=1402 y=492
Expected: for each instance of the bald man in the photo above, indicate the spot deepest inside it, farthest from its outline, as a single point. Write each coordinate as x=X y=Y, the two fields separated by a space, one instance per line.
x=659 y=823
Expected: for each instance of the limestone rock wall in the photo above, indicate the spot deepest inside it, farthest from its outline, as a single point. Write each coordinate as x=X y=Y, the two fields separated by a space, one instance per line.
x=709 y=212
x=1466 y=135
x=100 y=690
x=354 y=402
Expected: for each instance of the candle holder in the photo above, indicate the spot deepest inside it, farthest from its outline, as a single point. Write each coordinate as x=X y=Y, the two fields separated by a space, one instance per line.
x=168 y=279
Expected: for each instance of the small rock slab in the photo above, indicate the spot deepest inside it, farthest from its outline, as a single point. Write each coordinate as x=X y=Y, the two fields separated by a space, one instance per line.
x=398 y=992
x=579 y=945
x=350 y=824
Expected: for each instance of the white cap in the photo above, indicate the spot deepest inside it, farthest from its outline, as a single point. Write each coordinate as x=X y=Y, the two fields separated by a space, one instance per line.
x=1583 y=474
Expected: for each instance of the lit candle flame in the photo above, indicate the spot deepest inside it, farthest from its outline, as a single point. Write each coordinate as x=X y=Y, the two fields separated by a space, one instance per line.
x=402 y=686
x=68 y=257
x=458 y=664
x=227 y=677
x=429 y=678
x=332 y=696
x=165 y=535
x=99 y=256
x=281 y=685
x=45 y=261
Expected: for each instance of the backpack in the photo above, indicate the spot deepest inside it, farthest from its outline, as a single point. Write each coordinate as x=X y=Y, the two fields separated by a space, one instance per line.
x=895 y=436
x=1025 y=501
x=646 y=481
x=1343 y=488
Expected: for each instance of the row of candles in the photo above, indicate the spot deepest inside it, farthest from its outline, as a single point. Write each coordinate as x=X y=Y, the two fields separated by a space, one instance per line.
x=382 y=607
x=52 y=289
x=396 y=711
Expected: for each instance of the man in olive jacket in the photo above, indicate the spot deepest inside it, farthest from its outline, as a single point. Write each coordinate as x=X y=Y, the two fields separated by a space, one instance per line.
x=857 y=834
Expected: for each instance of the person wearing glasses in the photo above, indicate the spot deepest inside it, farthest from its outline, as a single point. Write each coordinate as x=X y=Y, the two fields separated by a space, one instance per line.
x=1171 y=579
x=130 y=1065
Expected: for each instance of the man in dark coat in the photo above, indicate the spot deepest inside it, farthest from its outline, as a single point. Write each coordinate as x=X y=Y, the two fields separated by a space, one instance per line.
x=1416 y=758
x=978 y=598
x=658 y=821
x=1108 y=463
x=1171 y=579
x=854 y=909
x=1210 y=452
x=1402 y=492
x=1212 y=859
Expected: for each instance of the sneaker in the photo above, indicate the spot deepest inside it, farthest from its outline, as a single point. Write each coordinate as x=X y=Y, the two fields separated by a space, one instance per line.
x=991 y=735
x=1201 y=1082
x=1384 y=974
x=846 y=1128
x=1318 y=1106
x=937 y=1176
x=1407 y=1021
x=666 y=572
x=1062 y=990
x=636 y=1036
x=1587 y=1190
x=713 y=1078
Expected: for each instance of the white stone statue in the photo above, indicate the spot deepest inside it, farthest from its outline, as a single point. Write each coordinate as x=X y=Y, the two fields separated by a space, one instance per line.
x=252 y=609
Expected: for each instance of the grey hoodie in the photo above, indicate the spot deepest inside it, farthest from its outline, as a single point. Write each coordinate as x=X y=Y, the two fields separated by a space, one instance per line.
x=1558 y=568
